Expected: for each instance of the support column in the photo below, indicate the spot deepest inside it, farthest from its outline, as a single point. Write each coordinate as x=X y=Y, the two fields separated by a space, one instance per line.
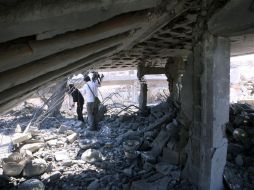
x=207 y=144
x=173 y=69
x=143 y=89
x=143 y=97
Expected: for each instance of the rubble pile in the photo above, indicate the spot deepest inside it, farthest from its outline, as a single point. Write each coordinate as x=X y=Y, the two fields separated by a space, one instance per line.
x=239 y=170
x=128 y=152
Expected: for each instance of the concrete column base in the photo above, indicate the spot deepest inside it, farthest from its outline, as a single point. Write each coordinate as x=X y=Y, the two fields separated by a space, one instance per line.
x=207 y=147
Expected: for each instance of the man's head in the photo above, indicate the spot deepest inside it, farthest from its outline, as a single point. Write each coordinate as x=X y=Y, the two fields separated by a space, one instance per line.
x=71 y=86
x=87 y=78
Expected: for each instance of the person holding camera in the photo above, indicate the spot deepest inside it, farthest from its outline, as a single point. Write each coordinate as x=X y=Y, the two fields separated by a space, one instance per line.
x=90 y=89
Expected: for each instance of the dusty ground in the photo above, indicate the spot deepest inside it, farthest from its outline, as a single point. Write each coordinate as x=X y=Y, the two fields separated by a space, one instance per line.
x=105 y=159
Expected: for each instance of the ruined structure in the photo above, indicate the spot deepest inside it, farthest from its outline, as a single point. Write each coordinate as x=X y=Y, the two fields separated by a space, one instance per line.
x=44 y=41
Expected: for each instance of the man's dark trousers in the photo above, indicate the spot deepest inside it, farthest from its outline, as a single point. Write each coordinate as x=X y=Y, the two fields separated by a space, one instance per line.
x=80 y=111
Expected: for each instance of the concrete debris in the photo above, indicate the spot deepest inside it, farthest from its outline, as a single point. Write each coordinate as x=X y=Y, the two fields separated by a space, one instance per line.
x=128 y=152
x=165 y=168
x=62 y=155
x=94 y=185
x=239 y=160
x=62 y=129
x=240 y=133
x=170 y=156
x=18 y=129
x=71 y=138
x=20 y=137
x=31 y=147
x=32 y=184
x=35 y=167
x=91 y=156
x=128 y=172
x=14 y=164
x=89 y=143
x=52 y=142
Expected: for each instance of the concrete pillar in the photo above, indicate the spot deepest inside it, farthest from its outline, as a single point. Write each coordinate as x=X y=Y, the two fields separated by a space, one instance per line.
x=143 y=97
x=173 y=69
x=187 y=91
x=207 y=144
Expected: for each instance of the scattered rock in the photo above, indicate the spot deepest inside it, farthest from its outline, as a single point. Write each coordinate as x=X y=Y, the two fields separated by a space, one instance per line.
x=35 y=167
x=67 y=163
x=62 y=155
x=239 y=160
x=128 y=172
x=165 y=168
x=68 y=167
x=32 y=147
x=240 y=133
x=62 y=129
x=91 y=155
x=71 y=138
x=94 y=185
x=14 y=164
x=52 y=142
x=32 y=184
x=170 y=156
x=20 y=137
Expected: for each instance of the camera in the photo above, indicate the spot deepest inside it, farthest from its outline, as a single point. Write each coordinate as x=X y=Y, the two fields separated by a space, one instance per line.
x=97 y=76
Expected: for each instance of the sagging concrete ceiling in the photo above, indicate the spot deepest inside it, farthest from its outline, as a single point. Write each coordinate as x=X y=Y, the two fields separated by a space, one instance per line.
x=236 y=20
x=43 y=40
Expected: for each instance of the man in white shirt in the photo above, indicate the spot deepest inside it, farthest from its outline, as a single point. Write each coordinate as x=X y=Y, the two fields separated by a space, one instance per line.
x=90 y=91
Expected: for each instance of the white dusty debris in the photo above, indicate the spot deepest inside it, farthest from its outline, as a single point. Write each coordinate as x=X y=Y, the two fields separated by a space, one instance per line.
x=127 y=152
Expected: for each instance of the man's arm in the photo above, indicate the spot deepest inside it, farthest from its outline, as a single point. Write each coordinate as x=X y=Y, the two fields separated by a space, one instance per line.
x=97 y=84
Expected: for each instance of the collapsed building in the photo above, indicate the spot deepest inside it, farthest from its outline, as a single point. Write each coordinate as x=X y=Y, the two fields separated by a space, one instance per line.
x=42 y=42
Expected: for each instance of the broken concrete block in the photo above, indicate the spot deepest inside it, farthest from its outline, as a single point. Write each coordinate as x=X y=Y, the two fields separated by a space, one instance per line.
x=49 y=137
x=131 y=144
x=128 y=172
x=164 y=168
x=170 y=156
x=32 y=184
x=32 y=147
x=91 y=155
x=89 y=143
x=67 y=163
x=18 y=129
x=52 y=142
x=62 y=155
x=130 y=154
x=159 y=142
x=34 y=131
x=62 y=129
x=20 y=137
x=148 y=157
x=71 y=138
x=35 y=167
x=239 y=160
x=94 y=185
x=14 y=164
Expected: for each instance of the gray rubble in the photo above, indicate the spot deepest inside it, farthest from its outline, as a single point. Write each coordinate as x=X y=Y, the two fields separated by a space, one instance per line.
x=239 y=170
x=127 y=152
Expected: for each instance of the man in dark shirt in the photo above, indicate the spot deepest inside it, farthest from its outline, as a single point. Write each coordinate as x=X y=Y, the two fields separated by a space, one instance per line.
x=77 y=97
